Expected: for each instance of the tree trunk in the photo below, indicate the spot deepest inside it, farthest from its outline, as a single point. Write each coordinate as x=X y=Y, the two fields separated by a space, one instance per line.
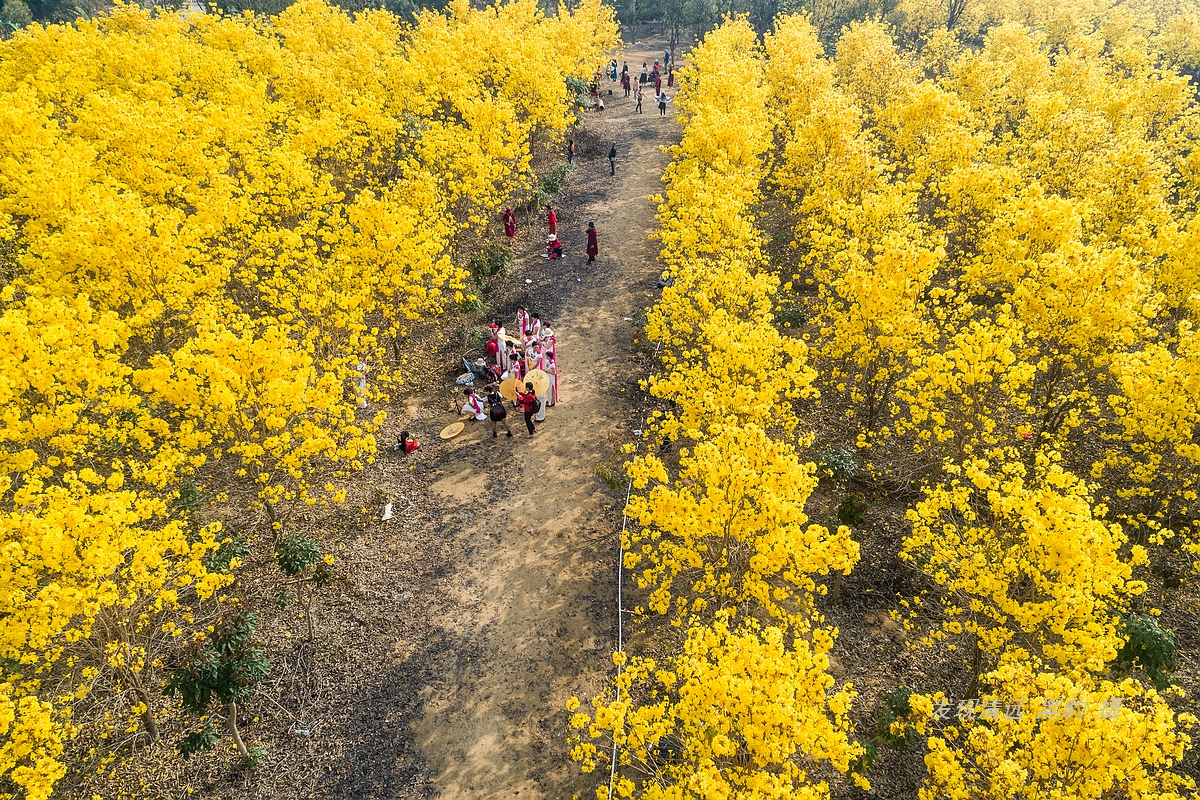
x=837 y=585
x=147 y=715
x=976 y=667
x=308 y=606
x=235 y=734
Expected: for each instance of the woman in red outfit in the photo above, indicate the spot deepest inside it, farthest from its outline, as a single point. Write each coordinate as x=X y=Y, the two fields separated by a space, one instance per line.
x=510 y=223
x=528 y=402
x=552 y=220
x=593 y=248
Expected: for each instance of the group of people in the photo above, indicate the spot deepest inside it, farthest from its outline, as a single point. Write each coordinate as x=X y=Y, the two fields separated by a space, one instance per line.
x=649 y=77
x=533 y=347
x=554 y=245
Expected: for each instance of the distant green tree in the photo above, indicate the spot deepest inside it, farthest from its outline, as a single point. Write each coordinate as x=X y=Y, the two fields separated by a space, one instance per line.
x=14 y=15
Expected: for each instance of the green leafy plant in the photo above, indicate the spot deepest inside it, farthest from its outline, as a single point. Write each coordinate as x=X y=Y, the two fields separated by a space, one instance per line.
x=189 y=497
x=223 y=667
x=896 y=708
x=1147 y=645
x=301 y=560
x=204 y=739
x=841 y=463
x=791 y=317
x=553 y=181
x=476 y=338
x=492 y=260
x=233 y=549
x=863 y=763
x=852 y=511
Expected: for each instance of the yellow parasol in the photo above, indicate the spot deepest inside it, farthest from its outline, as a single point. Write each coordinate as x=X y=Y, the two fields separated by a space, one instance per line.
x=451 y=430
x=540 y=380
x=508 y=388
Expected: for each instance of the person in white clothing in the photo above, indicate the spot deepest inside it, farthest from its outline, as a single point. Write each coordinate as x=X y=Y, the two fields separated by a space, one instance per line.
x=522 y=321
x=474 y=406
x=550 y=366
x=539 y=362
x=503 y=352
x=535 y=325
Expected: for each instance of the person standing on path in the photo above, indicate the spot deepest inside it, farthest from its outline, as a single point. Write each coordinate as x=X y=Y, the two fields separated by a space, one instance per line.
x=666 y=58
x=645 y=73
x=510 y=223
x=528 y=401
x=625 y=83
x=497 y=413
x=671 y=78
x=612 y=159
x=639 y=99
x=593 y=247
x=570 y=151
x=657 y=84
x=552 y=220
x=662 y=104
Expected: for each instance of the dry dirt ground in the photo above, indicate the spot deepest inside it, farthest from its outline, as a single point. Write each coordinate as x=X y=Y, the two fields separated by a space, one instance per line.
x=443 y=660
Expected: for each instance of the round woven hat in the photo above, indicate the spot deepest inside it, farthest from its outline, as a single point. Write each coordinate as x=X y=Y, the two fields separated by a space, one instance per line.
x=451 y=430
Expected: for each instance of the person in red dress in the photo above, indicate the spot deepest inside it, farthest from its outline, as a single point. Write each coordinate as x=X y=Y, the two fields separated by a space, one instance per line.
x=510 y=223
x=593 y=248
x=552 y=220
x=405 y=443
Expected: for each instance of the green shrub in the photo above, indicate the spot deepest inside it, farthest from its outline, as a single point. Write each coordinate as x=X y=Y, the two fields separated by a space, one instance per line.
x=1147 y=645
x=553 y=181
x=221 y=559
x=852 y=511
x=189 y=497
x=896 y=708
x=476 y=338
x=840 y=463
x=295 y=553
x=493 y=260
x=791 y=317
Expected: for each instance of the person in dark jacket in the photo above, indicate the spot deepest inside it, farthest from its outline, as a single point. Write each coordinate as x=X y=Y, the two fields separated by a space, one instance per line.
x=612 y=159
x=593 y=248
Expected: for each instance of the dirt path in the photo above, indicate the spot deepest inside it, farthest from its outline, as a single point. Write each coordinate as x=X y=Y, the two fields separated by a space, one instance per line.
x=518 y=612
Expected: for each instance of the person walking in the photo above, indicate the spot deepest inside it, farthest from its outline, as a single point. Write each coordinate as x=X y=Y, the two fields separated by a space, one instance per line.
x=662 y=104
x=497 y=413
x=552 y=220
x=639 y=99
x=666 y=58
x=593 y=247
x=612 y=159
x=570 y=151
x=528 y=402
x=671 y=77
x=510 y=223
x=625 y=83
